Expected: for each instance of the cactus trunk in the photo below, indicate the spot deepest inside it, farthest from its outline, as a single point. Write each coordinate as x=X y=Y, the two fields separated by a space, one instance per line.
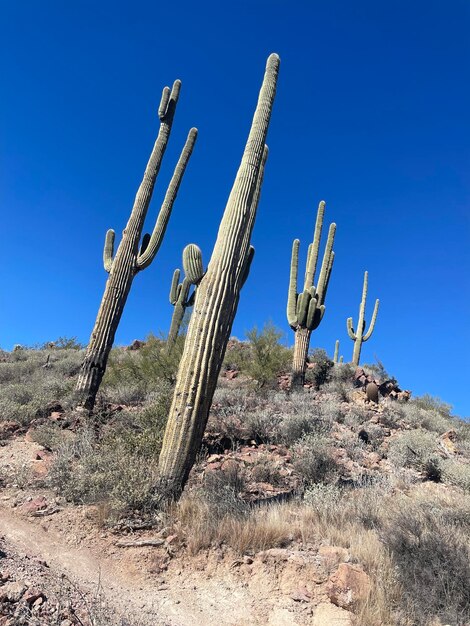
x=128 y=262
x=299 y=362
x=216 y=303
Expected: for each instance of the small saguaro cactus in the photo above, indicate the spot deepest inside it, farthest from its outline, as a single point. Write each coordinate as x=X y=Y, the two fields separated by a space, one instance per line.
x=179 y=292
x=216 y=302
x=335 y=356
x=305 y=310
x=359 y=337
x=129 y=260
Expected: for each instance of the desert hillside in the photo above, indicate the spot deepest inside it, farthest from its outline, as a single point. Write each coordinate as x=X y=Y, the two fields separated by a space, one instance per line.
x=316 y=505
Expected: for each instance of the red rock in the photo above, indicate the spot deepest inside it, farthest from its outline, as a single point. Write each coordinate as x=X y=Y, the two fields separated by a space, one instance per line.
x=12 y=592
x=36 y=504
x=348 y=585
x=32 y=595
x=8 y=428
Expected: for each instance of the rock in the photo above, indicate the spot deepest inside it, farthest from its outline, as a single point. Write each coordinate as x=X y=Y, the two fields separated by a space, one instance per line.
x=8 y=428
x=333 y=555
x=32 y=595
x=327 y=614
x=231 y=374
x=447 y=441
x=136 y=345
x=36 y=504
x=348 y=585
x=301 y=595
x=12 y=592
x=51 y=407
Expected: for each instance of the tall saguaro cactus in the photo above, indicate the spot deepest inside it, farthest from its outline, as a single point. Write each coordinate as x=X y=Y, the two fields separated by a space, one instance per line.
x=128 y=260
x=305 y=310
x=359 y=337
x=216 y=302
x=179 y=292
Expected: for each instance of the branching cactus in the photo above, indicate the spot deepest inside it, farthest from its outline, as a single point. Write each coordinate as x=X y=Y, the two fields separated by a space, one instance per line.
x=359 y=337
x=179 y=292
x=305 y=310
x=216 y=302
x=129 y=260
x=335 y=356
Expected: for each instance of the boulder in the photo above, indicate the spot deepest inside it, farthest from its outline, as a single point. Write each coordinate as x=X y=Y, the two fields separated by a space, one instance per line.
x=348 y=585
x=327 y=614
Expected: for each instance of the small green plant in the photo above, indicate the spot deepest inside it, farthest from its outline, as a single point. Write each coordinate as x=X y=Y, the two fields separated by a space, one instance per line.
x=320 y=366
x=267 y=357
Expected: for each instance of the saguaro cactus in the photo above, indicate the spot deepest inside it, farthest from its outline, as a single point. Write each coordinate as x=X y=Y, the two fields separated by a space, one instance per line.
x=179 y=292
x=305 y=310
x=128 y=260
x=335 y=356
x=216 y=302
x=359 y=337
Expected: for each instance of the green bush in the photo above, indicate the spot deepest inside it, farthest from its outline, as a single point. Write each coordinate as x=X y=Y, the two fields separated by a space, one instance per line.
x=312 y=459
x=414 y=448
x=265 y=357
x=322 y=365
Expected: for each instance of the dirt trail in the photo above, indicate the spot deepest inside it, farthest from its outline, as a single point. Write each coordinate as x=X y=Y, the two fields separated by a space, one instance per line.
x=191 y=600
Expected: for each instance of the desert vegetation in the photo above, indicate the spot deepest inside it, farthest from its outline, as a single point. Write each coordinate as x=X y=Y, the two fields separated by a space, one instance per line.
x=383 y=490
x=276 y=460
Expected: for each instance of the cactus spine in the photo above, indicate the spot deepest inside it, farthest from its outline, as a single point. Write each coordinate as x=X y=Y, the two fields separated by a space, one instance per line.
x=216 y=302
x=179 y=292
x=335 y=356
x=305 y=310
x=129 y=260
x=359 y=337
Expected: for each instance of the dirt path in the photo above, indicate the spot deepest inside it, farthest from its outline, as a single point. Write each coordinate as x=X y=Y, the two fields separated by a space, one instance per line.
x=189 y=601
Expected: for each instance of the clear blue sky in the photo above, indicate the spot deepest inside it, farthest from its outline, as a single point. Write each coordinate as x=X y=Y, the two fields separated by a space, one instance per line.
x=372 y=115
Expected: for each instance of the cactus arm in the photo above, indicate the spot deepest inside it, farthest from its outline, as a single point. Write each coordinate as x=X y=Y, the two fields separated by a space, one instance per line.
x=174 y=287
x=328 y=274
x=372 y=322
x=335 y=356
x=192 y=263
x=108 y=250
x=146 y=257
x=292 y=297
x=326 y=264
x=351 y=332
x=312 y=257
x=178 y=312
x=341 y=359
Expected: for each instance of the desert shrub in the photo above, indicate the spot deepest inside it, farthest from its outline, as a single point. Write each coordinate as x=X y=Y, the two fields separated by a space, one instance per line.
x=120 y=465
x=262 y=425
x=313 y=460
x=456 y=473
x=49 y=435
x=432 y=403
x=266 y=357
x=378 y=371
x=301 y=416
x=222 y=489
x=414 y=448
x=431 y=419
x=322 y=364
x=140 y=369
x=323 y=498
x=431 y=551
x=63 y=343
